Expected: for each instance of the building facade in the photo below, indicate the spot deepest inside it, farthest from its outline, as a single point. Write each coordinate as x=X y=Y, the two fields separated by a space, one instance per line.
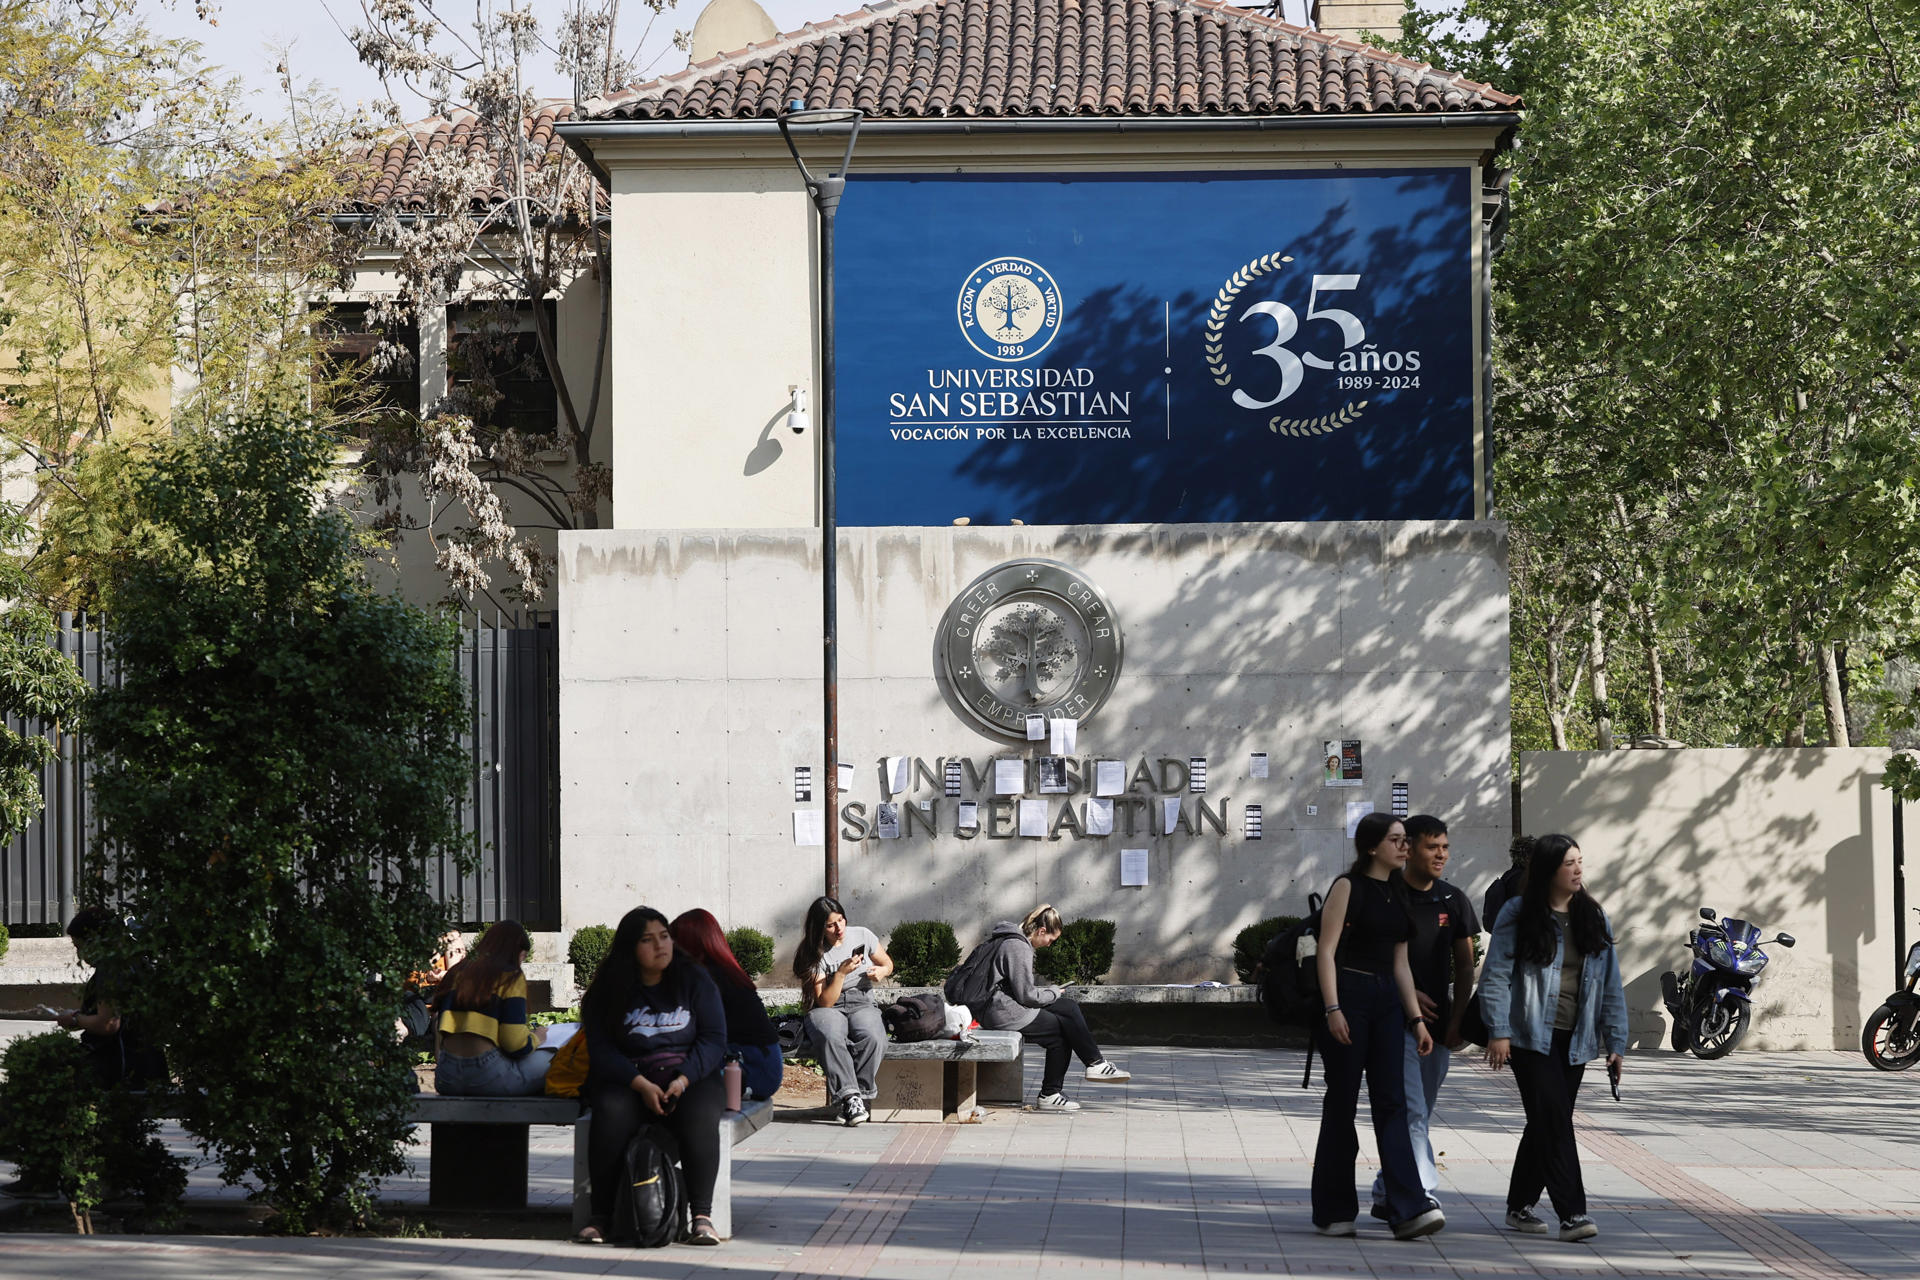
x=1161 y=368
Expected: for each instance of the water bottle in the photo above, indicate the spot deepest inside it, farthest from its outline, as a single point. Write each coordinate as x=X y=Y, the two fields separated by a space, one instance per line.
x=730 y=1079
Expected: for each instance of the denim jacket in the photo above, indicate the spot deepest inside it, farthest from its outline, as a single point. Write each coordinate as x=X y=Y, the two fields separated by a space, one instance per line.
x=1517 y=999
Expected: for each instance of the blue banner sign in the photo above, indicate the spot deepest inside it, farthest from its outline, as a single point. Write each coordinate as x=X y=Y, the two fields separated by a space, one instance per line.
x=1095 y=349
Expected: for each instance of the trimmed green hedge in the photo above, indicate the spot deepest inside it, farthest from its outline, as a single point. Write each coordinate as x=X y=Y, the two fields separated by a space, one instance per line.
x=1251 y=943
x=585 y=951
x=923 y=951
x=752 y=948
x=6 y=940
x=1080 y=956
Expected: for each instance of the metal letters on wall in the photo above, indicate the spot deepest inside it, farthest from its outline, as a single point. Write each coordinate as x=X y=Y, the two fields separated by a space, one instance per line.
x=1112 y=348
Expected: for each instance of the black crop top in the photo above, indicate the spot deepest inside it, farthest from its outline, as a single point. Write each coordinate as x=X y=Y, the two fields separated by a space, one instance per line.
x=1377 y=921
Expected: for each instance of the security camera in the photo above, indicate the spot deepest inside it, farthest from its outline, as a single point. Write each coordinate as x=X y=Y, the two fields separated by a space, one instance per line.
x=797 y=418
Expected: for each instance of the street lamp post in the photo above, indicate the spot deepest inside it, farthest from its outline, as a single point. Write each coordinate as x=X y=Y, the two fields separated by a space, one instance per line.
x=825 y=191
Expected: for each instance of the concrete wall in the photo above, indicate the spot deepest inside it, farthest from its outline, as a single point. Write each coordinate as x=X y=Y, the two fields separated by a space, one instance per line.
x=1794 y=840
x=690 y=688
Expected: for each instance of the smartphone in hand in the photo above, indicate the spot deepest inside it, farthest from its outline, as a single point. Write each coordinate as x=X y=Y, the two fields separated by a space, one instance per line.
x=1613 y=1078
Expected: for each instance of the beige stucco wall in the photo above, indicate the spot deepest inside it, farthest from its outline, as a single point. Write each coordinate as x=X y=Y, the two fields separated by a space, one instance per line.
x=715 y=259
x=690 y=688
x=1793 y=840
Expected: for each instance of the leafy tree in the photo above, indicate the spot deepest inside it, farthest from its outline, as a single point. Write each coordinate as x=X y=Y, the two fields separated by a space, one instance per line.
x=161 y=247
x=516 y=224
x=38 y=684
x=1706 y=350
x=279 y=763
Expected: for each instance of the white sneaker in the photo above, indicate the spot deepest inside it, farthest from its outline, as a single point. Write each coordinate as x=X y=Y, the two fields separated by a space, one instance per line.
x=1054 y=1102
x=1104 y=1072
x=1334 y=1228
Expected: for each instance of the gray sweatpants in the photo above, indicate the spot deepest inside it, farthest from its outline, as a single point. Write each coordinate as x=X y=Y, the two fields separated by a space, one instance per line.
x=851 y=1039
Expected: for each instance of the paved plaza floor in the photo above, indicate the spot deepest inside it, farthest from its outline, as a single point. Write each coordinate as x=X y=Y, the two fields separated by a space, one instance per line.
x=1797 y=1165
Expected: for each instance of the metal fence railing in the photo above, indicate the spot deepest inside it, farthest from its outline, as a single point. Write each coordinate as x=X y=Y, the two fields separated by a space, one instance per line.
x=509 y=814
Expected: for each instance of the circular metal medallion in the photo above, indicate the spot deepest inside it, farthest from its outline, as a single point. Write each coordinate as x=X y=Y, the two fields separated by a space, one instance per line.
x=1029 y=637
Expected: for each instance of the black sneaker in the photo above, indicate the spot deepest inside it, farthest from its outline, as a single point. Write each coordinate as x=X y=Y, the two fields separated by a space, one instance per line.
x=1578 y=1227
x=1527 y=1222
x=1424 y=1223
x=1381 y=1212
x=853 y=1111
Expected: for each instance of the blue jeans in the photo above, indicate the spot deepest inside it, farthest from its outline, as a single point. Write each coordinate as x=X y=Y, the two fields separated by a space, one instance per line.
x=761 y=1069
x=492 y=1075
x=1377 y=1027
x=1424 y=1078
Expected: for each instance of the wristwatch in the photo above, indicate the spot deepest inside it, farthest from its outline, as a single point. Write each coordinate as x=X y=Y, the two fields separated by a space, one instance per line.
x=1414 y=1021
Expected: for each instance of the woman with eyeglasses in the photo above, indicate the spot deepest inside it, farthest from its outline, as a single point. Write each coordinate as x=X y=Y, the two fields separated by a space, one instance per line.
x=1371 y=1007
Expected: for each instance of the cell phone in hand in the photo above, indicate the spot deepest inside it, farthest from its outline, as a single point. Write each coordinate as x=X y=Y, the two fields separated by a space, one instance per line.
x=1613 y=1078
x=859 y=951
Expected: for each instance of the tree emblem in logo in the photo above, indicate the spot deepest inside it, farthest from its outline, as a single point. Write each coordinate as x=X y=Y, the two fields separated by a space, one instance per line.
x=1009 y=309
x=1029 y=637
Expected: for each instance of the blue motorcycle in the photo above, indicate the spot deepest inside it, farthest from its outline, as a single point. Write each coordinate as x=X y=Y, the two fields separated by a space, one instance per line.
x=1712 y=1004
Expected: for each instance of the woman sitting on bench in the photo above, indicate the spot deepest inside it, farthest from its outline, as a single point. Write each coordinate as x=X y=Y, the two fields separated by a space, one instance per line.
x=997 y=978
x=751 y=1036
x=656 y=1037
x=837 y=964
x=484 y=1046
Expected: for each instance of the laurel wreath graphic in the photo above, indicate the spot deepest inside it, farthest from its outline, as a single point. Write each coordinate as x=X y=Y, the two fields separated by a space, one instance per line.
x=1319 y=426
x=1216 y=338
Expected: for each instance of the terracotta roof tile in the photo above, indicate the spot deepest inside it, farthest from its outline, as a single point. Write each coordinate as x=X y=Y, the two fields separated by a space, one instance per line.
x=915 y=59
x=392 y=165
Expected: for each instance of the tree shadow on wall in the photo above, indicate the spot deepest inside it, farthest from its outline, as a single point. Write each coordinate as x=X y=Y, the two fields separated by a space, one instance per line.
x=1798 y=869
x=1180 y=937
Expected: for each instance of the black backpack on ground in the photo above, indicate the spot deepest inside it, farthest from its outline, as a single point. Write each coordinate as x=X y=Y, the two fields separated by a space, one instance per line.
x=916 y=1017
x=650 y=1208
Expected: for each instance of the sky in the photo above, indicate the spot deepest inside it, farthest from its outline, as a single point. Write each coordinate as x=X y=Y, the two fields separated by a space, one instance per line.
x=250 y=34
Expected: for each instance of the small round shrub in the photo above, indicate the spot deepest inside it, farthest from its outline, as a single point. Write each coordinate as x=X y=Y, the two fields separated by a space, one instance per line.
x=752 y=948
x=62 y=1129
x=587 y=948
x=1079 y=956
x=1251 y=943
x=923 y=951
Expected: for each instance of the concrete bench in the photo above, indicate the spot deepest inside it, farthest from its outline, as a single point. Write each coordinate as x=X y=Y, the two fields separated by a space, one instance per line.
x=479 y=1156
x=930 y=1081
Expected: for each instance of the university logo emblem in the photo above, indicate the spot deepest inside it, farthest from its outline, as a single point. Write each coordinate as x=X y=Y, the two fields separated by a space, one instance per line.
x=1029 y=637
x=1009 y=309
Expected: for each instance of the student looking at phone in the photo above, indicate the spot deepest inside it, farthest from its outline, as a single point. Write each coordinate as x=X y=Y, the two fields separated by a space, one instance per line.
x=656 y=1036
x=837 y=965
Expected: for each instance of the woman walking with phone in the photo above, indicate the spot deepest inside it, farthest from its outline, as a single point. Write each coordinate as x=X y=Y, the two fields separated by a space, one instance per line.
x=1371 y=1007
x=837 y=965
x=1553 y=1001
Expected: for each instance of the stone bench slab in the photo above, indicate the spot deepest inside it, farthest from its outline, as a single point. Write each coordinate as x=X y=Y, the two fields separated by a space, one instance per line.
x=988 y=1046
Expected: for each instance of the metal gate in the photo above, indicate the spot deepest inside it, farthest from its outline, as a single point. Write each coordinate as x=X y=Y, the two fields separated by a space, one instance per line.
x=509 y=814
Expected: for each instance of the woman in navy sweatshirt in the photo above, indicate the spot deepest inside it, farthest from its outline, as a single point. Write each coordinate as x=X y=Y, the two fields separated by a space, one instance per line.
x=656 y=1037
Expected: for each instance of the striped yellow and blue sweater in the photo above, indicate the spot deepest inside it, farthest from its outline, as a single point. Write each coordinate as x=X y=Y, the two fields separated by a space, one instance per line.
x=503 y=1019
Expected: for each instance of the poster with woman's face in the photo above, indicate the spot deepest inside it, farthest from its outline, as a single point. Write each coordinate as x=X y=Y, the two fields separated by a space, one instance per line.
x=1341 y=766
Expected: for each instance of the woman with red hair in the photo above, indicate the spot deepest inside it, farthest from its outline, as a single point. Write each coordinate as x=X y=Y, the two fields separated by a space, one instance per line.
x=751 y=1036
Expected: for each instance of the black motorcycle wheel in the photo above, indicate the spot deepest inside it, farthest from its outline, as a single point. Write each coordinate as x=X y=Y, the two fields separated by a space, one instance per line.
x=1877 y=1041
x=1678 y=1038
x=1720 y=1028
